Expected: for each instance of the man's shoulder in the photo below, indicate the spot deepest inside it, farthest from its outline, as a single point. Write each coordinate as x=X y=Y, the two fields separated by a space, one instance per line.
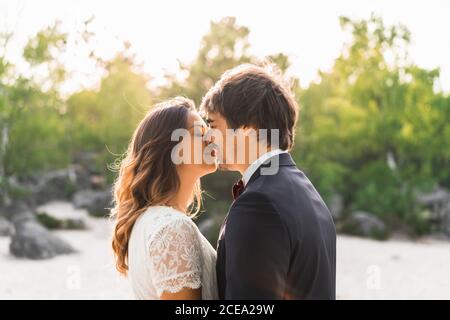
x=289 y=191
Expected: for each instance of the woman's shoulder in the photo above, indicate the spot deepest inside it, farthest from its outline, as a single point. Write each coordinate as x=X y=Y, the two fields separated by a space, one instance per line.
x=160 y=215
x=156 y=219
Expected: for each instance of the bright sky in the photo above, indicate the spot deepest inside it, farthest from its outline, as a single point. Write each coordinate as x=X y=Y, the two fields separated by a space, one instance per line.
x=162 y=32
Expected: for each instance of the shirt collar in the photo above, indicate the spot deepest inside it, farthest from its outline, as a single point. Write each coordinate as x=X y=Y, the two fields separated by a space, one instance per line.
x=255 y=165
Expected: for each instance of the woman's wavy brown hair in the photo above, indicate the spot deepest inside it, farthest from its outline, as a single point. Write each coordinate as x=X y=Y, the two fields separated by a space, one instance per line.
x=147 y=176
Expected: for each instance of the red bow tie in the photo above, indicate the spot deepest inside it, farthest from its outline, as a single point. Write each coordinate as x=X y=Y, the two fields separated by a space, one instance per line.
x=238 y=188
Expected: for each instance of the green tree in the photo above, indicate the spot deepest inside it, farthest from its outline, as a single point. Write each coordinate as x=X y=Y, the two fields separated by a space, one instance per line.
x=224 y=46
x=31 y=122
x=103 y=120
x=372 y=129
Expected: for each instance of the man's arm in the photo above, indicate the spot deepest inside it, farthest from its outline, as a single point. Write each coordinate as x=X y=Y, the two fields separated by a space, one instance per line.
x=257 y=251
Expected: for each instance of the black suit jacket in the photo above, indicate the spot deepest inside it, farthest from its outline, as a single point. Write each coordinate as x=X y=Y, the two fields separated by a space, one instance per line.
x=278 y=240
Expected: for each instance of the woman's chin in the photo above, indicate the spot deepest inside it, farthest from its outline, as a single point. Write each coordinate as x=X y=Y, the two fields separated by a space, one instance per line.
x=201 y=169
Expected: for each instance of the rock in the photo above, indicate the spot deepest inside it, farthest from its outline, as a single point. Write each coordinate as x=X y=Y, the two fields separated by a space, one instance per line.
x=437 y=197
x=61 y=215
x=97 y=182
x=88 y=161
x=82 y=177
x=438 y=203
x=62 y=210
x=6 y=228
x=60 y=184
x=365 y=224
x=42 y=188
x=446 y=221
x=16 y=211
x=336 y=205
x=52 y=223
x=31 y=240
x=97 y=203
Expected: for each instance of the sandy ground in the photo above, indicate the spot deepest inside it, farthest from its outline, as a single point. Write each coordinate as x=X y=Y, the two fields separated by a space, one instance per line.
x=366 y=269
x=89 y=274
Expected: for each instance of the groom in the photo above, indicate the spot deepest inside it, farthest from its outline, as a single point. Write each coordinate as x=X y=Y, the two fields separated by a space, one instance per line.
x=278 y=240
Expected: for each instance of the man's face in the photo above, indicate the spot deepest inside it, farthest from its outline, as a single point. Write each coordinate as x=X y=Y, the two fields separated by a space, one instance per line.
x=219 y=126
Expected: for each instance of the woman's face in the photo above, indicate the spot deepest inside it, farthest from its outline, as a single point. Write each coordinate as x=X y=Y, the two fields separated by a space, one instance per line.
x=203 y=159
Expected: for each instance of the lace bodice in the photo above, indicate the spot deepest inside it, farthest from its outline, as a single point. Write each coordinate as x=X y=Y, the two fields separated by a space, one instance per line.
x=167 y=252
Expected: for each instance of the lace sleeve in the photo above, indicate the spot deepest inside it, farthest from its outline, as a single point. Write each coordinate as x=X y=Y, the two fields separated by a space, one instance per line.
x=175 y=257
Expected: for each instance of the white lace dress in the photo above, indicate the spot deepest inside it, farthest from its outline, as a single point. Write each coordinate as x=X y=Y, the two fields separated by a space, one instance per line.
x=167 y=252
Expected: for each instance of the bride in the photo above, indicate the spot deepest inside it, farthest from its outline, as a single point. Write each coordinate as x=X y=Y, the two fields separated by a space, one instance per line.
x=155 y=242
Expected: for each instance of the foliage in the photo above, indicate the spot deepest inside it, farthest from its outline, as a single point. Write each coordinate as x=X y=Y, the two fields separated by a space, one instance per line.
x=373 y=128
x=103 y=120
x=31 y=120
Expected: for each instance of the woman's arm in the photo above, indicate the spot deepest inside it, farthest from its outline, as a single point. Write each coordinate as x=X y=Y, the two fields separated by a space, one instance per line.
x=184 y=294
x=176 y=264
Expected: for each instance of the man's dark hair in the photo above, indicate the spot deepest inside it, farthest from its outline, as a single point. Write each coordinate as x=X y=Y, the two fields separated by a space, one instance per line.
x=253 y=96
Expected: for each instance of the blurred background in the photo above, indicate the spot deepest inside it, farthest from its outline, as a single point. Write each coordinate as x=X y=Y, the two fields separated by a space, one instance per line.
x=372 y=79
